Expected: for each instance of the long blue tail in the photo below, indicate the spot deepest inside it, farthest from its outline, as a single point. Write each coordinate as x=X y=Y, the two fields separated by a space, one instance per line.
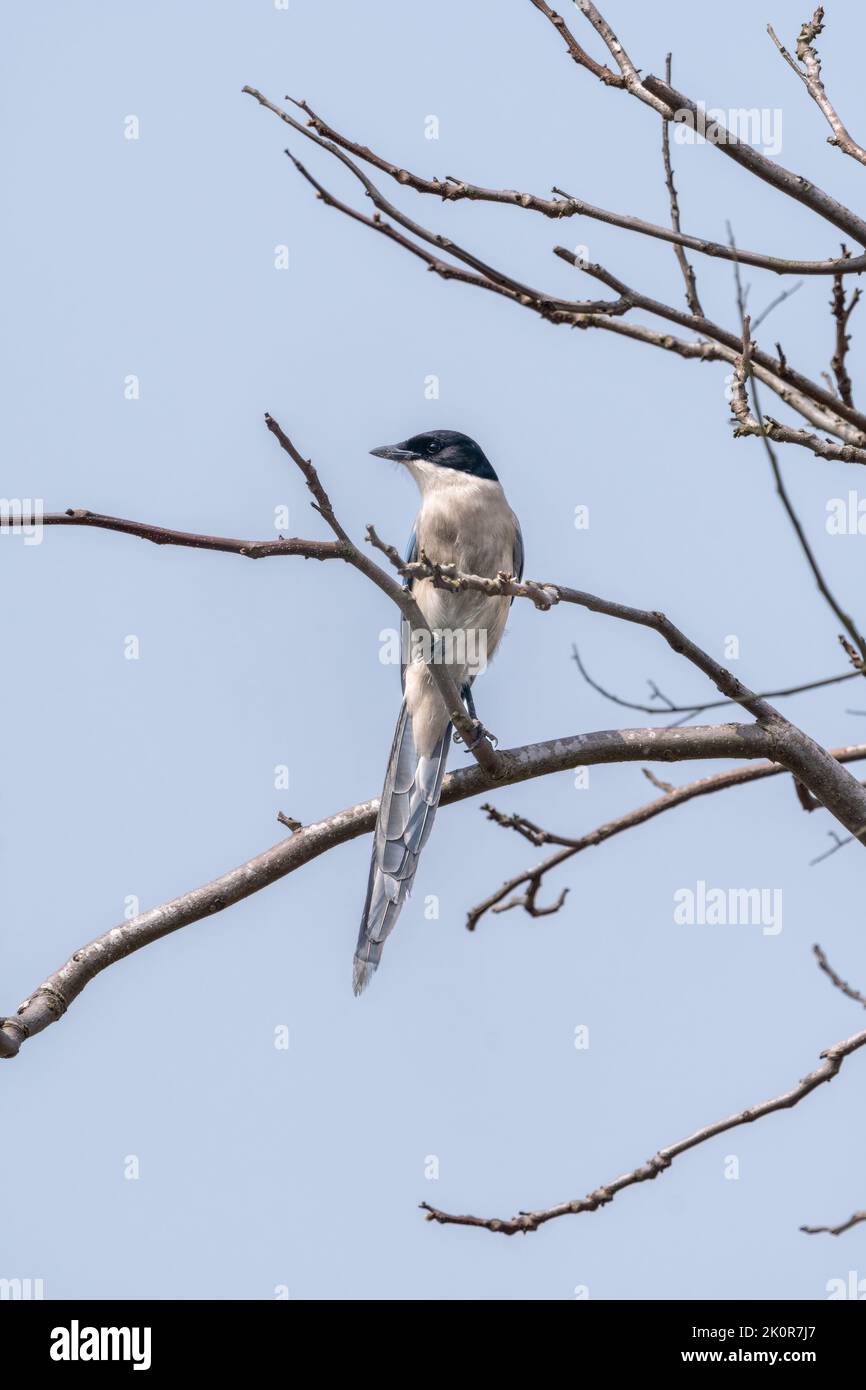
x=406 y=812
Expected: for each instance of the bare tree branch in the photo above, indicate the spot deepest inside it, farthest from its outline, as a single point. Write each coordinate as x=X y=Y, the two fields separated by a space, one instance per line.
x=858 y=998
x=741 y=411
x=776 y=738
x=780 y=740
x=51 y=999
x=526 y=1221
x=161 y=535
x=830 y=783
x=793 y=185
x=670 y=103
x=740 y=407
x=784 y=434
x=527 y=828
x=685 y=265
x=842 y=311
x=820 y=775
x=823 y=408
x=576 y=313
x=580 y=56
x=471 y=733
x=673 y=796
x=453 y=189
x=708 y=329
x=702 y=350
x=834 y=787
x=630 y=75
x=837 y=980
x=838 y=843
x=854 y=1220
x=528 y=902
x=706 y=351
x=774 y=304
x=506 y=283
x=810 y=75
x=669 y=708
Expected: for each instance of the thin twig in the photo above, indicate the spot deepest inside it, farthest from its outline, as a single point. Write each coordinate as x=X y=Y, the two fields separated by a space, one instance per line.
x=858 y=998
x=837 y=980
x=854 y=1220
x=739 y=405
x=526 y=1221
x=808 y=69
x=774 y=304
x=838 y=843
x=673 y=796
x=528 y=902
x=670 y=708
x=685 y=265
x=842 y=311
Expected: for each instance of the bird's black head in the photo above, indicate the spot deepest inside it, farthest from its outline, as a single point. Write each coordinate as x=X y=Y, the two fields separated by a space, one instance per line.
x=445 y=448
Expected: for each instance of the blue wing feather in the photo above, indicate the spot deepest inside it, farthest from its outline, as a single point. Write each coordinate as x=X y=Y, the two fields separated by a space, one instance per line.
x=411 y=554
x=518 y=554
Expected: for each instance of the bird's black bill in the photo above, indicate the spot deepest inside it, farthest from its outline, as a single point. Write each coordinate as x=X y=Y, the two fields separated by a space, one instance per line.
x=396 y=452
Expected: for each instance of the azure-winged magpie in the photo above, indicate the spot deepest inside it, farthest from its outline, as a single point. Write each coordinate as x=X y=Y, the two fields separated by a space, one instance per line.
x=466 y=521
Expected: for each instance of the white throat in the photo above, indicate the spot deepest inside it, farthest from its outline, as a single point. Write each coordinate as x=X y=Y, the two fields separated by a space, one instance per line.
x=434 y=479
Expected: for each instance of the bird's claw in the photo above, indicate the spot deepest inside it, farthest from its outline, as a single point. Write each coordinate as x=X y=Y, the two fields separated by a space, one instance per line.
x=480 y=734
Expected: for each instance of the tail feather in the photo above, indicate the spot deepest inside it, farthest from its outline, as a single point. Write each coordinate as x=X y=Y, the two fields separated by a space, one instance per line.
x=410 y=797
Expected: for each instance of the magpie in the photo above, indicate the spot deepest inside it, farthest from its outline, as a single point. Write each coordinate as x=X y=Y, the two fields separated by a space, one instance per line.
x=464 y=520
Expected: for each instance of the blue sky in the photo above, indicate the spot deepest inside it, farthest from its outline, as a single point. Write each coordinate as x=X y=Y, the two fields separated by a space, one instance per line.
x=302 y=1168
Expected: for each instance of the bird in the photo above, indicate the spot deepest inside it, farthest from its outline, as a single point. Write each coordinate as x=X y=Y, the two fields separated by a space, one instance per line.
x=464 y=520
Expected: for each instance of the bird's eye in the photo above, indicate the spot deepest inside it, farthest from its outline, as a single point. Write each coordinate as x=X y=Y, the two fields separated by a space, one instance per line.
x=433 y=447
